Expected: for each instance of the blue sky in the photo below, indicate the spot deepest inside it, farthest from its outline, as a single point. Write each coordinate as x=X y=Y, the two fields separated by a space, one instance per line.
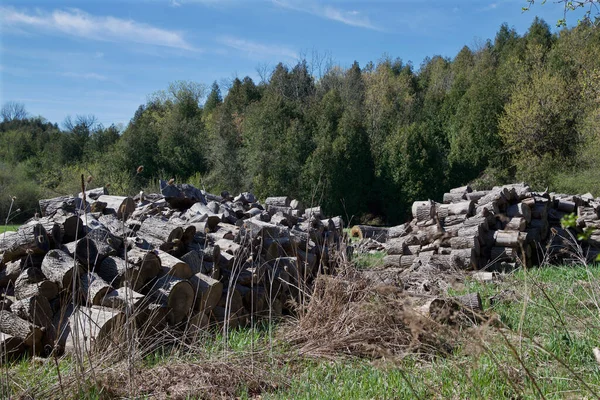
x=73 y=57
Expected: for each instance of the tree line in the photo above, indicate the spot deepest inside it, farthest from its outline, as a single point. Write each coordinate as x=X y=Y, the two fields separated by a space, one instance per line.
x=364 y=142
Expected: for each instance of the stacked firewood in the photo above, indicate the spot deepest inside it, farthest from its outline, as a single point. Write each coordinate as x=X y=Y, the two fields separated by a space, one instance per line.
x=492 y=229
x=182 y=260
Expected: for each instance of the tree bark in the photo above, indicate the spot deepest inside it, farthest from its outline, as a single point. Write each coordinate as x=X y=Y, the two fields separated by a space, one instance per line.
x=122 y=206
x=28 y=239
x=173 y=266
x=17 y=327
x=33 y=282
x=93 y=329
x=95 y=288
x=60 y=268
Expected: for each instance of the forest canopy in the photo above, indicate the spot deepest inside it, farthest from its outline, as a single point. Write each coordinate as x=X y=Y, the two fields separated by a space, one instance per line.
x=362 y=141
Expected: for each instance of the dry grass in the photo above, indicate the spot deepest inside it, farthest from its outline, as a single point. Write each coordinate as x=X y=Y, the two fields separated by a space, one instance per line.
x=350 y=315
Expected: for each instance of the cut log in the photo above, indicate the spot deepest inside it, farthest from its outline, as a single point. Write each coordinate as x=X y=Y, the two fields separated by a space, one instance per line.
x=9 y=273
x=95 y=288
x=391 y=261
x=122 y=206
x=476 y=196
x=29 y=239
x=173 y=266
x=506 y=238
x=11 y=348
x=71 y=226
x=423 y=210
x=407 y=261
x=466 y=242
x=454 y=197
x=373 y=232
x=93 y=194
x=282 y=201
x=313 y=211
x=472 y=301
x=93 y=329
x=462 y=189
x=207 y=292
x=17 y=327
x=460 y=208
x=70 y=204
x=519 y=210
x=125 y=299
x=175 y=293
x=60 y=268
x=31 y=282
x=503 y=254
x=36 y=309
x=85 y=251
x=516 y=224
x=465 y=258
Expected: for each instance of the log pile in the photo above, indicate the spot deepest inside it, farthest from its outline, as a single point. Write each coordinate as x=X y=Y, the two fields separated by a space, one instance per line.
x=180 y=260
x=493 y=229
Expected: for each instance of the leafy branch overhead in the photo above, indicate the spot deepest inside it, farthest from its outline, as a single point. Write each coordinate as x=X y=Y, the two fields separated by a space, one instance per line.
x=589 y=9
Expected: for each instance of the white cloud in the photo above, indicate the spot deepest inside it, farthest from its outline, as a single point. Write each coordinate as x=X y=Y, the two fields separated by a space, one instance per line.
x=257 y=50
x=352 y=18
x=77 y=23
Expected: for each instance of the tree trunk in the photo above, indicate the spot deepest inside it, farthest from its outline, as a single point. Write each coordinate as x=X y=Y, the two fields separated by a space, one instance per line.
x=28 y=239
x=59 y=267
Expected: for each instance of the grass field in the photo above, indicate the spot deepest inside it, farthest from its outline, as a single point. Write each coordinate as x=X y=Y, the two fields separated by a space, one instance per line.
x=537 y=342
x=5 y=228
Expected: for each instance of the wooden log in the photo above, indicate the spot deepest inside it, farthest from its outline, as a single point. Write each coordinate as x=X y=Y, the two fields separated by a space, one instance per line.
x=482 y=222
x=93 y=329
x=175 y=293
x=465 y=258
x=462 y=189
x=11 y=348
x=454 y=197
x=173 y=266
x=29 y=239
x=93 y=194
x=207 y=291
x=460 y=208
x=316 y=211
x=122 y=206
x=503 y=254
x=95 y=288
x=471 y=301
x=466 y=242
x=31 y=282
x=71 y=226
x=120 y=273
x=407 y=261
x=85 y=251
x=36 y=309
x=373 y=232
x=17 y=327
x=70 y=204
x=484 y=208
x=506 y=238
x=391 y=261
x=282 y=201
x=516 y=224
x=454 y=220
x=519 y=210
x=53 y=230
x=60 y=268
x=476 y=196
x=9 y=272
x=565 y=205
x=125 y=299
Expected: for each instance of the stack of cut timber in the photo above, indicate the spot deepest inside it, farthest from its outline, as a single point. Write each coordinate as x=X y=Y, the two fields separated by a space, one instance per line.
x=494 y=228
x=93 y=263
